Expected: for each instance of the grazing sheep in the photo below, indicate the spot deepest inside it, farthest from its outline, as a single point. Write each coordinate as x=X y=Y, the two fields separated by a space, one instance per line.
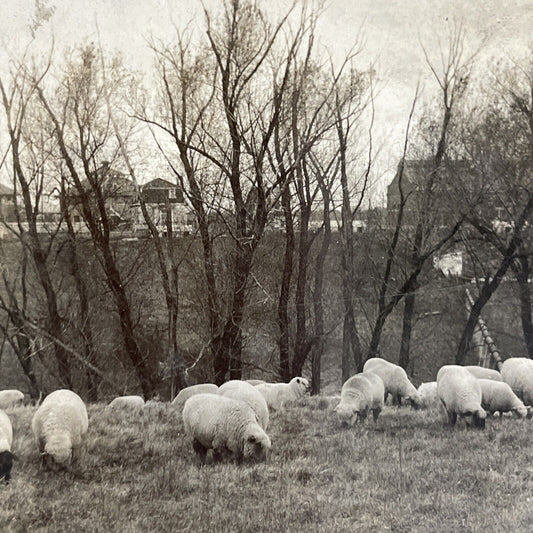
x=6 y=439
x=498 y=396
x=395 y=379
x=59 y=427
x=255 y=382
x=427 y=393
x=481 y=372
x=11 y=398
x=128 y=402
x=517 y=372
x=360 y=394
x=226 y=426
x=460 y=393
x=276 y=394
x=240 y=390
x=187 y=392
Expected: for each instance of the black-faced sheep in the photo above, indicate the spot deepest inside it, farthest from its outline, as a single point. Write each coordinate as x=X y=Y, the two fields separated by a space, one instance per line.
x=226 y=426
x=59 y=427
x=276 y=394
x=517 y=372
x=460 y=394
x=6 y=440
x=395 y=379
x=240 y=390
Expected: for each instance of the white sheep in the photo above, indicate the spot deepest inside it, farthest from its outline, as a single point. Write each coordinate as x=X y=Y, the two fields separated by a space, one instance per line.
x=276 y=394
x=11 y=398
x=460 y=394
x=127 y=402
x=427 y=393
x=361 y=393
x=481 y=372
x=395 y=379
x=517 y=372
x=226 y=426
x=255 y=382
x=59 y=426
x=188 y=392
x=6 y=440
x=498 y=396
x=240 y=390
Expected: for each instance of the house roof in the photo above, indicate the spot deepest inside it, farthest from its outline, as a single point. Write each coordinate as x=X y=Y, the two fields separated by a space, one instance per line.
x=5 y=191
x=159 y=183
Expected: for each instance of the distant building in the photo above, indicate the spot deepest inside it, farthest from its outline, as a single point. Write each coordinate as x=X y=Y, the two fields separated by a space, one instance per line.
x=7 y=208
x=166 y=206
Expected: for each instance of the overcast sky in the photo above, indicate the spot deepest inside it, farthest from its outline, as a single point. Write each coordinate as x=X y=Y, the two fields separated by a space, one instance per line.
x=392 y=31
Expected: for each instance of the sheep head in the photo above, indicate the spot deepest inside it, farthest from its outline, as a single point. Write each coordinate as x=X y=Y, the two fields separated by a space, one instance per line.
x=58 y=449
x=256 y=444
x=300 y=385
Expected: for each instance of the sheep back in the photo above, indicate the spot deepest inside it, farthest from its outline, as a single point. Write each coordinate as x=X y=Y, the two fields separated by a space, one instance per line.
x=241 y=390
x=126 y=402
x=59 y=426
x=395 y=379
x=224 y=425
x=481 y=372
x=517 y=372
x=188 y=392
x=460 y=393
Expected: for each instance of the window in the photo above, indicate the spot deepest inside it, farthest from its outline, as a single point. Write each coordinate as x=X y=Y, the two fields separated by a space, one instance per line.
x=172 y=194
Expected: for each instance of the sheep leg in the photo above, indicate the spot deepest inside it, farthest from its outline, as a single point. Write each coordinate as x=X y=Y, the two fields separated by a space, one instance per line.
x=200 y=449
x=452 y=417
x=375 y=413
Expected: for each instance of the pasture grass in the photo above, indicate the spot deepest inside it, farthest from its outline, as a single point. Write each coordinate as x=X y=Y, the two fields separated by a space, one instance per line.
x=408 y=473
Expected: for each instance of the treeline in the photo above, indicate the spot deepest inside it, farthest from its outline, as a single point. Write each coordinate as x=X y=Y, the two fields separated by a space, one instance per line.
x=254 y=121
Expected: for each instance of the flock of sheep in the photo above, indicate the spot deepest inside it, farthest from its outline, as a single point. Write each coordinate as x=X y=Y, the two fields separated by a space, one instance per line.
x=232 y=420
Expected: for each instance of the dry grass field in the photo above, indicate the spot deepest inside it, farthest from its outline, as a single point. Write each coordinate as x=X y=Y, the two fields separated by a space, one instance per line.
x=408 y=473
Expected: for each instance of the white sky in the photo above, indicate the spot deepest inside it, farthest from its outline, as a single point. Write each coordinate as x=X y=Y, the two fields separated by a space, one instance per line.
x=392 y=31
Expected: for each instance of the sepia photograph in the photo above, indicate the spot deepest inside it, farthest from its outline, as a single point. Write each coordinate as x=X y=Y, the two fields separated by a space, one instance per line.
x=265 y=266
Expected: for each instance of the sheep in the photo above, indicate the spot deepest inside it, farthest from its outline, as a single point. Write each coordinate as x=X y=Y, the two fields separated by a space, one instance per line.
x=427 y=393
x=187 y=392
x=240 y=390
x=498 y=396
x=480 y=372
x=128 y=402
x=517 y=372
x=359 y=394
x=226 y=426
x=395 y=379
x=11 y=398
x=59 y=426
x=6 y=440
x=255 y=382
x=276 y=394
x=460 y=394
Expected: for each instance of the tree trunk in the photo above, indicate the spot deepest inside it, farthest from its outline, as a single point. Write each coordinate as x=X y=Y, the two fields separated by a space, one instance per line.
x=522 y=276
x=284 y=293
x=301 y=342
x=407 y=326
